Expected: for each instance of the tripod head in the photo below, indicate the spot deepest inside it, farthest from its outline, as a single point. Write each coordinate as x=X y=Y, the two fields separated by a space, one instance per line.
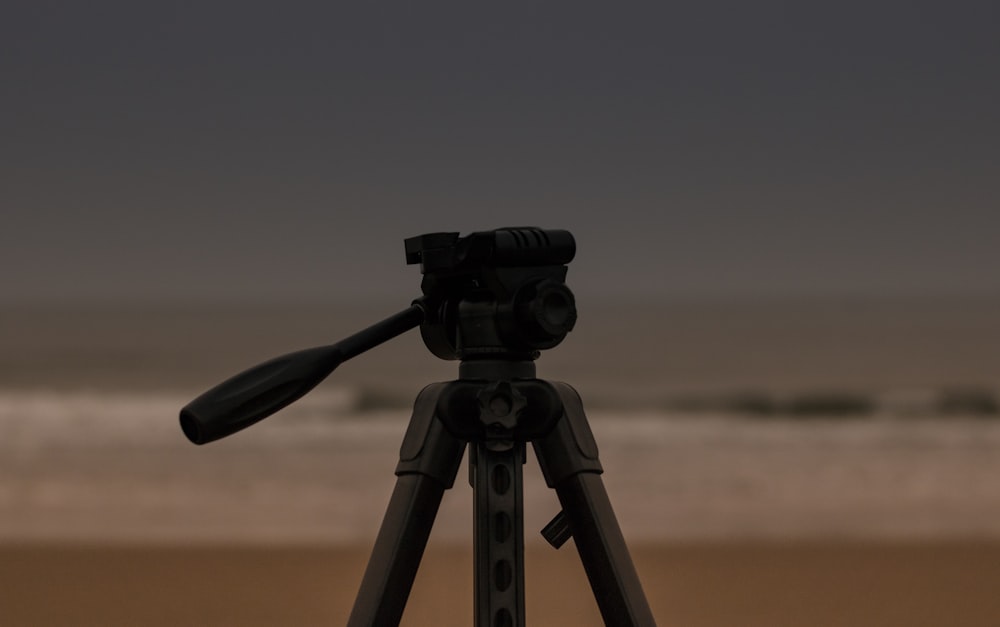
x=490 y=295
x=495 y=293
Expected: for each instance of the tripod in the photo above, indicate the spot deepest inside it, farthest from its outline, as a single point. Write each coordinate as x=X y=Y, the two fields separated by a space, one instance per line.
x=493 y=300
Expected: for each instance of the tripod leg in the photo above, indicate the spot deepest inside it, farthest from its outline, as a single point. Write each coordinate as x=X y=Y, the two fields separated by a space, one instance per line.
x=429 y=459
x=568 y=458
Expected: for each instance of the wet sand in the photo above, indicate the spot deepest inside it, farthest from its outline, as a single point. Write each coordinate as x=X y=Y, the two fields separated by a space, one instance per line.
x=826 y=583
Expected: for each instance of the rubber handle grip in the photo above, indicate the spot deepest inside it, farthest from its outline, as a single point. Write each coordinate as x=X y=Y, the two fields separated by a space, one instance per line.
x=262 y=390
x=256 y=393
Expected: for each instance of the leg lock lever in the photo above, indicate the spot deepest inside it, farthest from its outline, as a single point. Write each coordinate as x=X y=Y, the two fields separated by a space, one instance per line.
x=557 y=532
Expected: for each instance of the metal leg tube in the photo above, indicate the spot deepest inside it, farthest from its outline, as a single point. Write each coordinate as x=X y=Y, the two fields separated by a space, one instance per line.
x=428 y=462
x=569 y=461
x=603 y=551
x=398 y=550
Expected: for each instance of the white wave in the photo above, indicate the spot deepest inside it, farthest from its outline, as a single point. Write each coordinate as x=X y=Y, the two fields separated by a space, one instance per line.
x=31 y=419
x=102 y=466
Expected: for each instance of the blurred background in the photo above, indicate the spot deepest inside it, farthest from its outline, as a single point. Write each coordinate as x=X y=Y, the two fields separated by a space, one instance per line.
x=786 y=218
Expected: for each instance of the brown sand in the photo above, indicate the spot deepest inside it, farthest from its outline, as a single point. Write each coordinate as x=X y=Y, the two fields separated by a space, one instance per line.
x=810 y=584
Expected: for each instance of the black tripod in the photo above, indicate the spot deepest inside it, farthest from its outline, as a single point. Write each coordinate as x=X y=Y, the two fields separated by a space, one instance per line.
x=492 y=299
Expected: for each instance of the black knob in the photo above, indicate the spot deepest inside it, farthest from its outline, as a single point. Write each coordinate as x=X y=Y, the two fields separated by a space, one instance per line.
x=548 y=313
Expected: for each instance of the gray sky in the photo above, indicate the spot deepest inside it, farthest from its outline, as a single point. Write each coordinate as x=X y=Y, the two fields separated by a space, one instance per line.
x=266 y=151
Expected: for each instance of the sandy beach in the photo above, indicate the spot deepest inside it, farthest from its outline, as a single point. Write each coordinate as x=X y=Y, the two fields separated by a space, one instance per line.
x=748 y=584
x=886 y=517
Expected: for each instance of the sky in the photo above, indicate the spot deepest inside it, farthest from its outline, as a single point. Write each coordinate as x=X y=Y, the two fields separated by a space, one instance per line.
x=209 y=151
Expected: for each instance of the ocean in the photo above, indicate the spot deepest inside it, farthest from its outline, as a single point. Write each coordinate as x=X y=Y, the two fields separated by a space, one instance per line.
x=715 y=420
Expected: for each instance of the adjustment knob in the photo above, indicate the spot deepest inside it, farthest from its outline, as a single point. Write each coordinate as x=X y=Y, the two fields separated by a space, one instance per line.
x=548 y=313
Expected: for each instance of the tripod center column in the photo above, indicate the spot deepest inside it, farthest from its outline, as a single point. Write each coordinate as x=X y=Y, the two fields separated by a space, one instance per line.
x=499 y=518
